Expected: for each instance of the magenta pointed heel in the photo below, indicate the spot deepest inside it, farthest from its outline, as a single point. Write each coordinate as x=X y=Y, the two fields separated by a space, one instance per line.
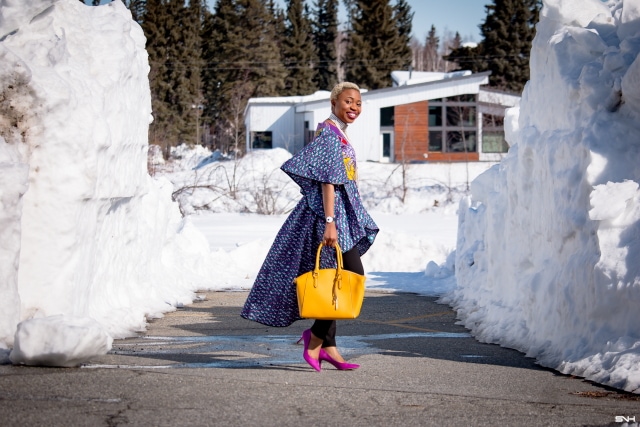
x=343 y=366
x=314 y=363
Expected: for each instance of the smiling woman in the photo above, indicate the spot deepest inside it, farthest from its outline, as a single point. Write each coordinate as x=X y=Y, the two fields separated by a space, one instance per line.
x=330 y=213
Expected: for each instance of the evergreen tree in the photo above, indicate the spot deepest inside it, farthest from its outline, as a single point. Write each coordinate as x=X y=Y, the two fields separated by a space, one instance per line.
x=243 y=60
x=298 y=50
x=456 y=43
x=325 y=33
x=447 y=47
x=508 y=32
x=378 y=43
x=137 y=8
x=189 y=86
x=278 y=22
x=216 y=36
x=154 y=23
x=172 y=32
x=352 y=9
x=431 y=57
x=403 y=17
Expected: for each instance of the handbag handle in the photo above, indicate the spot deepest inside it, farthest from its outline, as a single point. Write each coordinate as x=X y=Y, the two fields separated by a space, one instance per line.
x=316 y=270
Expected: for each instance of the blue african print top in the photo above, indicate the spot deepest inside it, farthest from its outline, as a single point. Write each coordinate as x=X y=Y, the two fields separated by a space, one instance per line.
x=329 y=158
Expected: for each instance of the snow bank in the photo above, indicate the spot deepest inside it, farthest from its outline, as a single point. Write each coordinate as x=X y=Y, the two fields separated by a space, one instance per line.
x=549 y=243
x=59 y=341
x=86 y=233
x=13 y=184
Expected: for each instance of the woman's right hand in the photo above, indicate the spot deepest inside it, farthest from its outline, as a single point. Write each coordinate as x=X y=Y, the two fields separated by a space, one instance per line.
x=330 y=234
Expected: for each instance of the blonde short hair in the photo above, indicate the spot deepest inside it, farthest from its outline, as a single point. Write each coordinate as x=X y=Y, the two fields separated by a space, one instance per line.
x=341 y=87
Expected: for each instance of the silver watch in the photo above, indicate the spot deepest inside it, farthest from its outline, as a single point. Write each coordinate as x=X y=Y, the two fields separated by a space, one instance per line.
x=329 y=219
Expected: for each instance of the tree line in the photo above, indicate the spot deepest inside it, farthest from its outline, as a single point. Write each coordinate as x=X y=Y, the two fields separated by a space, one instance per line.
x=206 y=64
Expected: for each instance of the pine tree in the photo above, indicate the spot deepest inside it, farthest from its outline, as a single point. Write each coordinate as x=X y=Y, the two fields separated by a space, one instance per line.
x=456 y=43
x=325 y=32
x=403 y=17
x=378 y=42
x=137 y=8
x=154 y=23
x=243 y=60
x=189 y=53
x=214 y=32
x=431 y=56
x=447 y=47
x=279 y=24
x=298 y=50
x=466 y=57
x=173 y=32
x=508 y=32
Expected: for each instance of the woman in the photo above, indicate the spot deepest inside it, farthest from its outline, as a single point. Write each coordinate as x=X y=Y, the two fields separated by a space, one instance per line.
x=330 y=212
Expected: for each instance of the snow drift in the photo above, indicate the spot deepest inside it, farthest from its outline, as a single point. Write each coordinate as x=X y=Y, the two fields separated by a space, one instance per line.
x=86 y=233
x=549 y=243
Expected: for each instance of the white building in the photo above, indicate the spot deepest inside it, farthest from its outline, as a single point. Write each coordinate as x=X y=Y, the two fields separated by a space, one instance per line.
x=423 y=117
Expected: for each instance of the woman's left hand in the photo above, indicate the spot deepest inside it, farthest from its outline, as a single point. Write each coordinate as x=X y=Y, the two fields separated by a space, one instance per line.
x=330 y=235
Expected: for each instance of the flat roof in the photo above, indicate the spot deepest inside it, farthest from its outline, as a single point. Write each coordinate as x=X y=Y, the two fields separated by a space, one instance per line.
x=308 y=102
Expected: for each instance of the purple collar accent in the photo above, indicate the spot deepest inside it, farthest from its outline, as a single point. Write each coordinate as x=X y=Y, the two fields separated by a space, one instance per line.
x=335 y=130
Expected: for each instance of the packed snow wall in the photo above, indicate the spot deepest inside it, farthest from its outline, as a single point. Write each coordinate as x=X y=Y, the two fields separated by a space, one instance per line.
x=548 y=252
x=86 y=232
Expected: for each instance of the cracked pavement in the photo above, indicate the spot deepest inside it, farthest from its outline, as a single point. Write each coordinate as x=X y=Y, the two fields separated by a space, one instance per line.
x=203 y=365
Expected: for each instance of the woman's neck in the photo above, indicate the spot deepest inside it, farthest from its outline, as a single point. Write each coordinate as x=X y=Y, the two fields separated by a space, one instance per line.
x=342 y=125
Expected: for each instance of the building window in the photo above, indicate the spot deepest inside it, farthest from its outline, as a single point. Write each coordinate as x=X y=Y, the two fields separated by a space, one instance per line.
x=261 y=140
x=435 y=115
x=461 y=115
x=386 y=145
x=461 y=142
x=493 y=140
x=453 y=126
x=386 y=116
x=435 y=140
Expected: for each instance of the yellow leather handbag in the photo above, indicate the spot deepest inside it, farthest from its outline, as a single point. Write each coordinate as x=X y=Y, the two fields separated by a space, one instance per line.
x=330 y=293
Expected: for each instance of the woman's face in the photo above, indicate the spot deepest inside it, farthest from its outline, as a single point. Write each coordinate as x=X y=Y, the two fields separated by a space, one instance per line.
x=348 y=105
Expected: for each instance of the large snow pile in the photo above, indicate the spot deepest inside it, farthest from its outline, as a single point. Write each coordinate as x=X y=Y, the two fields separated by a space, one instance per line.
x=548 y=252
x=84 y=231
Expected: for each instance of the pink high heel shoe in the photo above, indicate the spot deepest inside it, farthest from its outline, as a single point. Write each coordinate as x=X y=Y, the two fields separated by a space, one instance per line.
x=343 y=366
x=314 y=363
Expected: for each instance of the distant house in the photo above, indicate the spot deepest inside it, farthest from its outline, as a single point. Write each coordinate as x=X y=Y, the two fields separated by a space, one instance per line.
x=433 y=117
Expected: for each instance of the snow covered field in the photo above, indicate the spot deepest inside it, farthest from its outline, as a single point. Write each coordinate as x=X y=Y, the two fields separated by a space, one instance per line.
x=413 y=234
x=546 y=246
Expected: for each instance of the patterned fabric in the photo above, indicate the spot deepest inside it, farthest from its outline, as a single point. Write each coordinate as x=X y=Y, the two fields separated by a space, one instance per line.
x=272 y=300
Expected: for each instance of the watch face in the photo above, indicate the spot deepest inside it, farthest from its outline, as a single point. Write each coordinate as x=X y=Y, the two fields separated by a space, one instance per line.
x=329 y=219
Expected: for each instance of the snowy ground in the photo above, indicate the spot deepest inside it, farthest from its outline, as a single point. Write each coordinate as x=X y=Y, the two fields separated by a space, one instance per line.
x=412 y=253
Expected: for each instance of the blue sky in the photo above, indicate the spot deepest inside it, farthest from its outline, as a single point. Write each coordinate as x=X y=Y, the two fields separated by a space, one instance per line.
x=463 y=16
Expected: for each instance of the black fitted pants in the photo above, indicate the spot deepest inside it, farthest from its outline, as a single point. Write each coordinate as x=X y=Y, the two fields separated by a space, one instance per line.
x=326 y=329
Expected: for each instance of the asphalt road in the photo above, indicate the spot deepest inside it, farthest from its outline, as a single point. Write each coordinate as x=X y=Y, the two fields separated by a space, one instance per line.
x=203 y=365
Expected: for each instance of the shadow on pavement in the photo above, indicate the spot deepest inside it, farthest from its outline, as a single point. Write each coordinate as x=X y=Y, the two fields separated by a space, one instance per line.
x=209 y=335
